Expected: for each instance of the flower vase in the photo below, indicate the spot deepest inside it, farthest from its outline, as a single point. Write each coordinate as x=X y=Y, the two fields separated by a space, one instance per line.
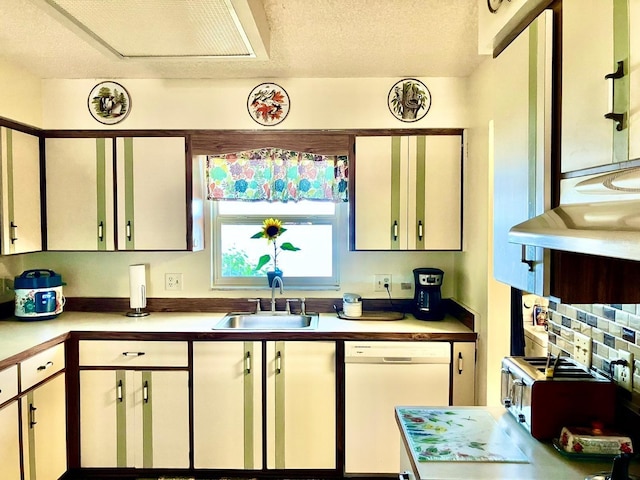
x=271 y=274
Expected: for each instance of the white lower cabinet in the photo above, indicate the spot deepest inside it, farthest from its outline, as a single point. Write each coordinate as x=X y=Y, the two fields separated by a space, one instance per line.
x=10 y=441
x=134 y=418
x=300 y=405
x=463 y=375
x=227 y=395
x=44 y=431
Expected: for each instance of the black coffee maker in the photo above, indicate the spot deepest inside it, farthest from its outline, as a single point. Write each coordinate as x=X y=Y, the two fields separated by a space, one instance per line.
x=427 y=301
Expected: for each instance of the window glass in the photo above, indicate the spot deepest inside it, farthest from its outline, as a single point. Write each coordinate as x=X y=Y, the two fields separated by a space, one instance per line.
x=310 y=226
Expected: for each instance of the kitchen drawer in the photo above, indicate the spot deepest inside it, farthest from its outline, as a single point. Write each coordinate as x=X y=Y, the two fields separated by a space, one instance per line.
x=41 y=366
x=134 y=353
x=8 y=383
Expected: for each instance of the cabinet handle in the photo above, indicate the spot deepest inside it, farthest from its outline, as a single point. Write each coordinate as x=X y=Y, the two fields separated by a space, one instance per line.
x=101 y=231
x=14 y=232
x=460 y=363
x=129 y=230
x=32 y=415
x=119 y=391
x=395 y=230
x=278 y=362
x=132 y=354
x=404 y=476
x=145 y=392
x=524 y=258
x=45 y=366
x=247 y=363
x=420 y=230
x=612 y=77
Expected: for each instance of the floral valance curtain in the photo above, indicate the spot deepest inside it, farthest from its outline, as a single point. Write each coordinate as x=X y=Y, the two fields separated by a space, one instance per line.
x=276 y=175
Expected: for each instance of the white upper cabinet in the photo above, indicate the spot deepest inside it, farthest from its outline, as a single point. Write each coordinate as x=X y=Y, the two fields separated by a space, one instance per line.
x=151 y=188
x=79 y=202
x=597 y=44
x=521 y=153
x=20 y=200
x=408 y=192
x=152 y=193
x=634 y=79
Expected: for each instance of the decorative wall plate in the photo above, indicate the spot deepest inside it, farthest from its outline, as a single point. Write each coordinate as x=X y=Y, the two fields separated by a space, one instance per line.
x=268 y=104
x=109 y=103
x=409 y=100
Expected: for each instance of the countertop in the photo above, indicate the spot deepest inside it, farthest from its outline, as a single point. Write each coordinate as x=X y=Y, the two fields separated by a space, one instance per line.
x=17 y=336
x=544 y=462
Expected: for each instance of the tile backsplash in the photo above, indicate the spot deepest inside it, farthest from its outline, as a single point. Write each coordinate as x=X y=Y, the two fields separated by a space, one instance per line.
x=612 y=327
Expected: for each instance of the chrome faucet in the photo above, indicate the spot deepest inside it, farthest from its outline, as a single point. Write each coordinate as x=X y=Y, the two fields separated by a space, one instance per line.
x=273 y=291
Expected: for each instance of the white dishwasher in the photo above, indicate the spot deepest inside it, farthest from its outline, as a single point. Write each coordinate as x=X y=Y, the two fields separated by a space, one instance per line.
x=378 y=377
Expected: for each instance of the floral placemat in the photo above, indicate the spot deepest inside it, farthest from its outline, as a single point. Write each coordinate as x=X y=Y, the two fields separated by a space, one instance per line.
x=450 y=435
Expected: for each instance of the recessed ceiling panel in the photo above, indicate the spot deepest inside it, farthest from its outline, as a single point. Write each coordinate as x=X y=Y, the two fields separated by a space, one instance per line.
x=160 y=28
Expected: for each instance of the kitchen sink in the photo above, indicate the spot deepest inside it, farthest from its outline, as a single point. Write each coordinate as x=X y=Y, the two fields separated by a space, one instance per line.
x=267 y=321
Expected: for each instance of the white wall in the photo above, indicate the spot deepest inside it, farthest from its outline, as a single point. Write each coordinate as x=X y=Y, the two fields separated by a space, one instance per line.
x=209 y=104
x=20 y=100
x=475 y=285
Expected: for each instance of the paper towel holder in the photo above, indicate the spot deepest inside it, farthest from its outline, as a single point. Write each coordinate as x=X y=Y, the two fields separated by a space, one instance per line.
x=137 y=291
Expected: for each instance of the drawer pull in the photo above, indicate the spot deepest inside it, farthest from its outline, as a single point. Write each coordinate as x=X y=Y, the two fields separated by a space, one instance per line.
x=45 y=366
x=32 y=415
x=132 y=354
x=119 y=391
x=247 y=363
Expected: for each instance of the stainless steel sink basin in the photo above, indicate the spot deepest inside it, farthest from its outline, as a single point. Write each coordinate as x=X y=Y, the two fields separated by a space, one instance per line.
x=267 y=321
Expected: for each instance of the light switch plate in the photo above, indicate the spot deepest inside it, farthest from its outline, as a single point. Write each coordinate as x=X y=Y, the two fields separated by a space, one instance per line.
x=582 y=349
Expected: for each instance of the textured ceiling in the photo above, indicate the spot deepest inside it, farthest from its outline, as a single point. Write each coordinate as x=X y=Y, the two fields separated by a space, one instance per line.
x=309 y=38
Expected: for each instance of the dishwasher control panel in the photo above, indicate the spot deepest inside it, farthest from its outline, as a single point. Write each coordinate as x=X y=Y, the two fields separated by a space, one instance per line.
x=397 y=352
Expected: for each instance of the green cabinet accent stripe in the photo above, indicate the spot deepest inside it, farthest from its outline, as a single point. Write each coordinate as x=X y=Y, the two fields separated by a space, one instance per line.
x=532 y=146
x=9 y=195
x=248 y=407
x=395 y=223
x=421 y=175
x=147 y=421
x=101 y=192
x=121 y=419
x=280 y=405
x=31 y=437
x=128 y=193
x=621 y=85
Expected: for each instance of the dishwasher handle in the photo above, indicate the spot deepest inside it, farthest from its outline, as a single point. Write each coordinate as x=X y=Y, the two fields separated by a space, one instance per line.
x=397 y=360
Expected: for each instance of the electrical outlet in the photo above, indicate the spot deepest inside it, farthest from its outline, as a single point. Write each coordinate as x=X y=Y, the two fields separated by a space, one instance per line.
x=173 y=281
x=380 y=280
x=582 y=349
x=623 y=373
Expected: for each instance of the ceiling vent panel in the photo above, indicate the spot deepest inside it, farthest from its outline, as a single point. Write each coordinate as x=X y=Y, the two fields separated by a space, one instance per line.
x=168 y=28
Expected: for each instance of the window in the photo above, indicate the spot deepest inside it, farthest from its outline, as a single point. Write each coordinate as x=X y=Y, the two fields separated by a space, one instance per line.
x=310 y=225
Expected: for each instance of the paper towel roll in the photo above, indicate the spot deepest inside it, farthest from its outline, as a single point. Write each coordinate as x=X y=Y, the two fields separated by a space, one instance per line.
x=137 y=286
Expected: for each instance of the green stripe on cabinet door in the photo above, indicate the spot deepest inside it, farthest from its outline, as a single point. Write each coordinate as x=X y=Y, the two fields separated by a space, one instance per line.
x=121 y=419
x=621 y=85
x=532 y=145
x=147 y=422
x=9 y=195
x=128 y=192
x=421 y=175
x=101 y=192
x=396 y=149
x=280 y=407
x=248 y=407
x=31 y=438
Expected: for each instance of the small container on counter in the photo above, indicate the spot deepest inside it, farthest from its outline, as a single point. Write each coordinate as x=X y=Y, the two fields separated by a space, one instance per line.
x=352 y=305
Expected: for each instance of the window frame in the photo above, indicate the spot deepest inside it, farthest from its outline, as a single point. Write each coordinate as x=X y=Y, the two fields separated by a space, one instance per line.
x=218 y=282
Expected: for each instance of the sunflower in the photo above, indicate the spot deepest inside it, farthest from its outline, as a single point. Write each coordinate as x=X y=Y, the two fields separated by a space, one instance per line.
x=271 y=230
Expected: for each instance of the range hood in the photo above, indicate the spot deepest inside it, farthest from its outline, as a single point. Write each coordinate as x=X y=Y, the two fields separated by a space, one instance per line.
x=598 y=215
